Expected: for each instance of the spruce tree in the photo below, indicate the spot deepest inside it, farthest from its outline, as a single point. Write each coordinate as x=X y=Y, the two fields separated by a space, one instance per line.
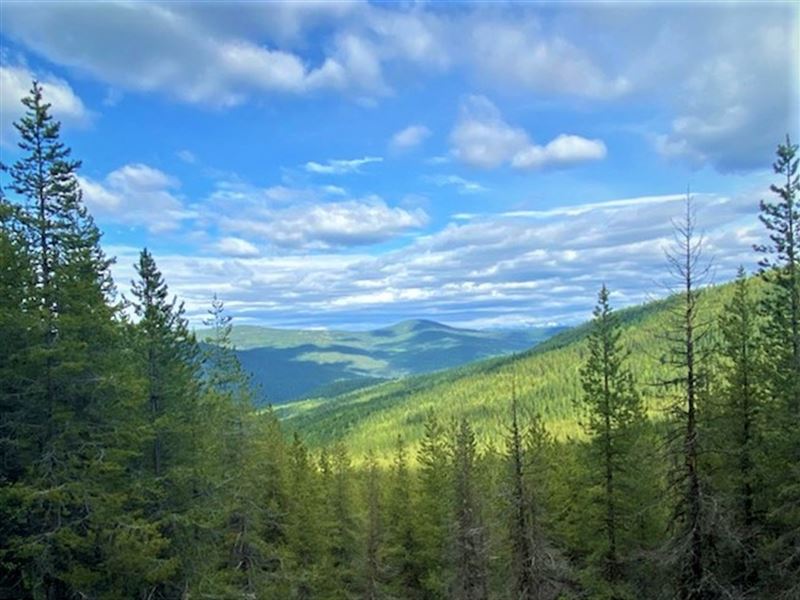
x=741 y=429
x=433 y=508
x=780 y=269
x=373 y=567
x=470 y=564
x=305 y=543
x=337 y=524
x=18 y=319
x=73 y=361
x=550 y=572
x=614 y=418
x=520 y=530
x=237 y=505
x=402 y=545
x=168 y=365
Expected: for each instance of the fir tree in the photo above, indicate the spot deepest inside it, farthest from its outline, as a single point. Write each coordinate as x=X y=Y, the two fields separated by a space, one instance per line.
x=239 y=499
x=402 y=546
x=741 y=427
x=337 y=524
x=373 y=568
x=779 y=266
x=168 y=365
x=613 y=419
x=781 y=307
x=470 y=577
x=304 y=541
x=550 y=573
x=433 y=508
x=520 y=534
x=73 y=360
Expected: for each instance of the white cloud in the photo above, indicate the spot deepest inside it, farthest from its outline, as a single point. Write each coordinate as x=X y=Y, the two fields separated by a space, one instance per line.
x=233 y=246
x=139 y=195
x=340 y=166
x=15 y=83
x=523 y=55
x=481 y=138
x=411 y=136
x=464 y=186
x=738 y=101
x=538 y=266
x=325 y=225
x=152 y=47
x=563 y=150
x=717 y=78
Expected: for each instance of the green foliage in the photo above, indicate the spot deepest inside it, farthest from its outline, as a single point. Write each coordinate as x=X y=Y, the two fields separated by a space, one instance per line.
x=548 y=382
x=614 y=423
x=290 y=364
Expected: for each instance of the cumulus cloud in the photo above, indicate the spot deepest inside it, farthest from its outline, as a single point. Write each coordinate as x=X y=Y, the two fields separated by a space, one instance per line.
x=139 y=195
x=481 y=138
x=411 y=136
x=233 y=246
x=563 y=150
x=152 y=47
x=15 y=83
x=325 y=225
x=340 y=166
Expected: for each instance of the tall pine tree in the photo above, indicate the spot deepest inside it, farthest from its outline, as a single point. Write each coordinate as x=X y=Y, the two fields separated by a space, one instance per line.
x=613 y=420
x=780 y=268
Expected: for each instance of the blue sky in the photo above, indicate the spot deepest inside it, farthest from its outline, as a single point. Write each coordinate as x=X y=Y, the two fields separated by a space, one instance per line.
x=355 y=164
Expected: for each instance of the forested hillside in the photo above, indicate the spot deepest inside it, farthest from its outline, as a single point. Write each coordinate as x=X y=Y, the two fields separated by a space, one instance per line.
x=288 y=364
x=133 y=464
x=547 y=381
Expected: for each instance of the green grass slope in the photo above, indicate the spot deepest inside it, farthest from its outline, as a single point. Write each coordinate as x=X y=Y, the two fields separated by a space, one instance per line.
x=547 y=381
x=290 y=364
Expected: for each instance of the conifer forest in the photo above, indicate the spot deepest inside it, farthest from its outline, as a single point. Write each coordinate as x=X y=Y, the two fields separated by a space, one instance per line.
x=651 y=453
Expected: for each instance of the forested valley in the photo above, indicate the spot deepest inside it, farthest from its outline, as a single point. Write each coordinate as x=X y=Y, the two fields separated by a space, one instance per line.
x=133 y=463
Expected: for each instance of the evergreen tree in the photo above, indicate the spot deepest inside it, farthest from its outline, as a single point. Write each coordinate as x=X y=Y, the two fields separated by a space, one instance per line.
x=780 y=268
x=550 y=571
x=76 y=385
x=168 y=363
x=373 y=567
x=338 y=525
x=470 y=580
x=402 y=546
x=304 y=541
x=613 y=420
x=239 y=501
x=18 y=319
x=740 y=429
x=433 y=508
x=520 y=533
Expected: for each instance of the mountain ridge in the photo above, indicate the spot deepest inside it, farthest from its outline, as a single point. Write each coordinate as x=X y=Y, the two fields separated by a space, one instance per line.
x=291 y=364
x=546 y=378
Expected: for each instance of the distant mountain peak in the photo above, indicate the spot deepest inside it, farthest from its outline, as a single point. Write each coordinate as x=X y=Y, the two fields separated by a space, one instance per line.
x=413 y=326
